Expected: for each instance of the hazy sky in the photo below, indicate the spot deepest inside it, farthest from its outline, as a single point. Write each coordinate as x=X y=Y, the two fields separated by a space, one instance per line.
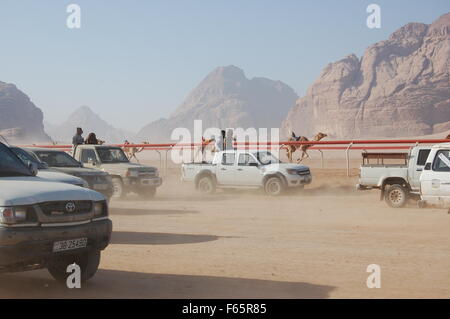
x=135 y=61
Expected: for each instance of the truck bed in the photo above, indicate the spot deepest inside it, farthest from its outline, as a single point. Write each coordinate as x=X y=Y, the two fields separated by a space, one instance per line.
x=385 y=159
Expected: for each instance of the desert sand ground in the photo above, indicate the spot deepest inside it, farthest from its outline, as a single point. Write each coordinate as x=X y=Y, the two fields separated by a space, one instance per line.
x=313 y=244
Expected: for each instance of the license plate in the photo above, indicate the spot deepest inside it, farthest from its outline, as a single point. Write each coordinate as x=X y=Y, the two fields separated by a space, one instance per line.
x=149 y=181
x=101 y=187
x=69 y=244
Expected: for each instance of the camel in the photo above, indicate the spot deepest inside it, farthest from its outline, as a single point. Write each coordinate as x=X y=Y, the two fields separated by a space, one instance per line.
x=292 y=148
x=131 y=151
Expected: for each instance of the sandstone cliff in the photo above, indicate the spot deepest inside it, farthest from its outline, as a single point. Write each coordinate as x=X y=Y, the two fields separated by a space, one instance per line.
x=400 y=87
x=20 y=120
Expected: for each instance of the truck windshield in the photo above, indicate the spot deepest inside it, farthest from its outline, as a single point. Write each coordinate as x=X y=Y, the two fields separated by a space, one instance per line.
x=26 y=157
x=112 y=155
x=57 y=159
x=10 y=164
x=442 y=161
x=266 y=158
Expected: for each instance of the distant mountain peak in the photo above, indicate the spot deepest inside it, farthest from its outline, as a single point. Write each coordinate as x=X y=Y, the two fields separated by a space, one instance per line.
x=226 y=98
x=89 y=121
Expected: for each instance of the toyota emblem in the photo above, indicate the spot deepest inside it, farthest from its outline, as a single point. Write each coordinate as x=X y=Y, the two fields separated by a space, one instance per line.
x=70 y=207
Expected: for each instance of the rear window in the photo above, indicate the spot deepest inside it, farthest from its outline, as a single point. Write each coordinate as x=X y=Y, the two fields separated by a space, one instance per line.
x=422 y=157
x=442 y=161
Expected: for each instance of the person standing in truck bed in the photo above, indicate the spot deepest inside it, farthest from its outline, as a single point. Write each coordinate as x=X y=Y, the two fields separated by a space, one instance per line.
x=78 y=139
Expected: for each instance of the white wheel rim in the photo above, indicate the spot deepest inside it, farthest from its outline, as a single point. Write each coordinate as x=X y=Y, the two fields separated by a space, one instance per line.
x=274 y=187
x=396 y=196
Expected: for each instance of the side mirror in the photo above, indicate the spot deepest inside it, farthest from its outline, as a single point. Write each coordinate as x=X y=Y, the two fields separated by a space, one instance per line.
x=33 y=168
x=427 y=166
x=92 y=161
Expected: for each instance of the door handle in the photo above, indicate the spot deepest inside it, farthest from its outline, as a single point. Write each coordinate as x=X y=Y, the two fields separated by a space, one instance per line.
x=223 y=169
x=419 y=169
x=239 y=169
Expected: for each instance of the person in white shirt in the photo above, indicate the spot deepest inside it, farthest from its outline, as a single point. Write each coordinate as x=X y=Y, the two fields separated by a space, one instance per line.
x=220 y=142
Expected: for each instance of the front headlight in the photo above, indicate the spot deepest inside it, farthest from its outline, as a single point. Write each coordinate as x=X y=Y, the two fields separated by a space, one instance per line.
x=98 y=209
x=132 y=173
x=292 y=171
x=85 y=184
x=12 y=215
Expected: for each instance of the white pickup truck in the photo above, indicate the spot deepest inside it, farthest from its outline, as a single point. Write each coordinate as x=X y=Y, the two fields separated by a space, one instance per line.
x=397 y=182
x=435 y=178
x=246 y=169
x=126 y=176
x=50 y=225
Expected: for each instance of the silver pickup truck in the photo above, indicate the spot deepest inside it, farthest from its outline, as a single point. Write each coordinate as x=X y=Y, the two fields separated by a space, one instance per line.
x=50 y=225
x=246 y=169
x=62 y=162
x=397 y=182
x=44 y=171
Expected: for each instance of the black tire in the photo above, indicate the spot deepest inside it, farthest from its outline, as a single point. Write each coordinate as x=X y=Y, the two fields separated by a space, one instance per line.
x=206 y=185
x=118 y=189
x=88 y=263
x=147 y=192
x=396 y=195
x=274 y=186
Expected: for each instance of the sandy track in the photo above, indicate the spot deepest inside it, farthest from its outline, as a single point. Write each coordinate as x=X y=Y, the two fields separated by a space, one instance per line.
x=315 y=244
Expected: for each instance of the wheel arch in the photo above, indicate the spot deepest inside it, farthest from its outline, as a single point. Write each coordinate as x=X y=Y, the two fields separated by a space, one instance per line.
x=204 y=173
x=391 y=181
x=277 y=174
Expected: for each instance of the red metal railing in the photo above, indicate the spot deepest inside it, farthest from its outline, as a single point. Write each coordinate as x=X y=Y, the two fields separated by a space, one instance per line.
x=349 y=145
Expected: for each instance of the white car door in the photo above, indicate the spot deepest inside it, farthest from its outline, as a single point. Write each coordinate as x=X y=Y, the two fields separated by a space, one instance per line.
x=226 y=169
x=416 y=168
x=248 y=171
x=435 y=180
x=441 y=165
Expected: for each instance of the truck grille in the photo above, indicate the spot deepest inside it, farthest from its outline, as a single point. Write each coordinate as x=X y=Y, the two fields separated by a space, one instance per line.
x=304 y=172
x=91 y=180
x=151 y=173
x=66 y=207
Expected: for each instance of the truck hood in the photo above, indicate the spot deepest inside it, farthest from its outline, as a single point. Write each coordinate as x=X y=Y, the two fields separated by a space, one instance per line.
x=121 y=168
x=79 y=171
x=29 y=190
x=60 y=177
x=285 y=166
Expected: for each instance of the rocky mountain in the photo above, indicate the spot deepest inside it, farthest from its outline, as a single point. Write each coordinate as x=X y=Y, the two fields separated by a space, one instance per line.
x=85 y=118
x=226 y=98
x=400 y=87
x=20 y=119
